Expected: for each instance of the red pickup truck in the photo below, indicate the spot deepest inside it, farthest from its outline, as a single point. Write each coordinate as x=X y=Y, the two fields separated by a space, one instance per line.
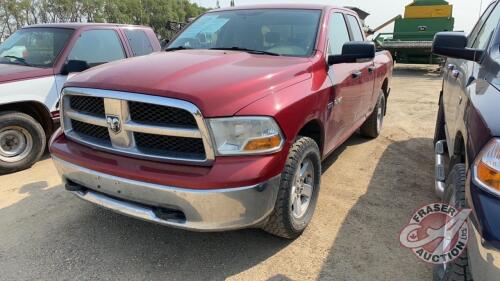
x=228 y=127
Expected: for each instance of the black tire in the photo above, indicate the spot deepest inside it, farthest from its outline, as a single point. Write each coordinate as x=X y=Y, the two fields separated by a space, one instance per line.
x=371 y=128
x=457 y=270
x=439 y=133
x=32 y=130
x=282 y=221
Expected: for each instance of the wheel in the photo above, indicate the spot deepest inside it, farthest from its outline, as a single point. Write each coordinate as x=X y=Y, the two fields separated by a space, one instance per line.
x=458 y=269
x=439 y=133
x=298 y=191
x=372 y=126
x=22 y=141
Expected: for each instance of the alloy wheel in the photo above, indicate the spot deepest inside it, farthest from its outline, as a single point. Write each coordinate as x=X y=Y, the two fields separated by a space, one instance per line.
x=302 y=189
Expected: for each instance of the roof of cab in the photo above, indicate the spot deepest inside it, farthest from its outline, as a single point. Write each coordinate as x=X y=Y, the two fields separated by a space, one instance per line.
x=78 y=25
x=280 y=6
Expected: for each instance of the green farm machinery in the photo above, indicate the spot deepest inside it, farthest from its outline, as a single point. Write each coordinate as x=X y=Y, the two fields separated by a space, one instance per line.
x=411 y=41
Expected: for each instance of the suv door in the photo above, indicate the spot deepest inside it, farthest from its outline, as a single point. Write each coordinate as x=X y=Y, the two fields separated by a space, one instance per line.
x=95 y=47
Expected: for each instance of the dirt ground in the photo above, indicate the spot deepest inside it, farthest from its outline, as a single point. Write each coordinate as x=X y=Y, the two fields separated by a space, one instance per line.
x=369 y=190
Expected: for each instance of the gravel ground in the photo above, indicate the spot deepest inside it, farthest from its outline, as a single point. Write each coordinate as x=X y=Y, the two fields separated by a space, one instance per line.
x=369 y=190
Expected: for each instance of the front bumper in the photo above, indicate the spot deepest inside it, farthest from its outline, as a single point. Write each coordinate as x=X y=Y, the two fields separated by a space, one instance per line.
x=484 y=259
x=199 y=210
x=484 y=228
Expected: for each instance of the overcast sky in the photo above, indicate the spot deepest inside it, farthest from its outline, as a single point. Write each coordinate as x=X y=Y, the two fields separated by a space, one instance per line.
x=466 y=12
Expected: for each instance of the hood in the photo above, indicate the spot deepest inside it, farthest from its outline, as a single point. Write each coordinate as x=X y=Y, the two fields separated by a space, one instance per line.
x=13 y=72
x=219 y=82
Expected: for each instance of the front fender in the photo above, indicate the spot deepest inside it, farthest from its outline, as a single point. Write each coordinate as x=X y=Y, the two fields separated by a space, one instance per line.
x=292 y=108
x=42 y=90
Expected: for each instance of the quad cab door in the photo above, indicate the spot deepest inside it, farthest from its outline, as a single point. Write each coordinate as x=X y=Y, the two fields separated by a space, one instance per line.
x=364 y=74
x=352 y=83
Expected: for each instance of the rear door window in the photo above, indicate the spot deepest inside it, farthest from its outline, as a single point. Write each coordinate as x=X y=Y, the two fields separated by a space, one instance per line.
x=355 y=28
x=96 y=47
x=139 y=42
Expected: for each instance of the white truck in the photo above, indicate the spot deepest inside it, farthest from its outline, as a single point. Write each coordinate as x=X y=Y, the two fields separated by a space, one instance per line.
x=34 y=64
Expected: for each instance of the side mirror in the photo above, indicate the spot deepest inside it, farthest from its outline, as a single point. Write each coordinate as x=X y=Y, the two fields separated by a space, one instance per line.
x=73 y=66
x=454 y=45
x=354 y=51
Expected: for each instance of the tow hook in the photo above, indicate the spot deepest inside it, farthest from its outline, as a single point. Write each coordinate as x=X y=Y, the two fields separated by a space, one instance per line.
x=71 y=186
x=440 y=168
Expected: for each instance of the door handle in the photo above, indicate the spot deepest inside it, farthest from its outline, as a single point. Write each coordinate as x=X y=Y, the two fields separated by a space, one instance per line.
x=356 y=74
x=451 y=66
x=455 y=73
x=371 y=69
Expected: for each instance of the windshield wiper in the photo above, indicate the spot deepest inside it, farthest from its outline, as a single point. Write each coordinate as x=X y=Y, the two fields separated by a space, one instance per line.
x=259 y=52
x=18 y=59
x=177 y=48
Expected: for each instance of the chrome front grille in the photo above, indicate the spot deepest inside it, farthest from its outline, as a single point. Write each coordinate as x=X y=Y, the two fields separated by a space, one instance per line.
x=90 y=105
x=97 y=133
x=137 y=125
x=160 y=115
x=183 y=147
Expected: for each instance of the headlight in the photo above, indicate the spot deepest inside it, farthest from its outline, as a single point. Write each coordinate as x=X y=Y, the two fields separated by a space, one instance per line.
x=246 y=135
x=487 y=166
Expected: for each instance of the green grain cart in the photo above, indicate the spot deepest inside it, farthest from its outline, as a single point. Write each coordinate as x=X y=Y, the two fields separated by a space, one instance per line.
x=411 y=41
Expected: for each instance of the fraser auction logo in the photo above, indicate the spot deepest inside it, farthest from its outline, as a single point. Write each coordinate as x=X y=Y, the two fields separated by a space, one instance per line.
x=437 y=233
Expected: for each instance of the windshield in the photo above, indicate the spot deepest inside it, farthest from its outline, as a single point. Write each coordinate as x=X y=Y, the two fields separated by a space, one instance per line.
x=38 y=47
x=278 y=31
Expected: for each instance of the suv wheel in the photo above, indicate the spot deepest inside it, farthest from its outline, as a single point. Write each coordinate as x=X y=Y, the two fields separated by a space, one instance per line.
x=458 y=269
x=22 y=141
x=298 y=192
x=373 y=125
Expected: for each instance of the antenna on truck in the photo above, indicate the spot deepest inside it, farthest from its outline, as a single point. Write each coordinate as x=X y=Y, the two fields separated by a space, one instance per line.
x=480 y=8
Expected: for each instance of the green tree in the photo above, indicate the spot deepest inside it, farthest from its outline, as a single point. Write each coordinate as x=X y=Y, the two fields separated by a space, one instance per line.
x=15 y=14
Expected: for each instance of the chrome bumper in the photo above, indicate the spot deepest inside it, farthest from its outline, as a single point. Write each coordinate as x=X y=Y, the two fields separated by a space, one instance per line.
x=199 y=210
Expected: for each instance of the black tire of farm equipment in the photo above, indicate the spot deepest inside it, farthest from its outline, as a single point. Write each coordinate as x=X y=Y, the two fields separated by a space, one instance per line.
x=439 y=133
x=457 y=270
x=369 y=128
x=281 y=221
x=12 y=118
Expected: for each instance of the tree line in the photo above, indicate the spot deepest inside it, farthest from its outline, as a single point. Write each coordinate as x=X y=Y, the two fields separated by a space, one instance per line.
x=15 y=14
